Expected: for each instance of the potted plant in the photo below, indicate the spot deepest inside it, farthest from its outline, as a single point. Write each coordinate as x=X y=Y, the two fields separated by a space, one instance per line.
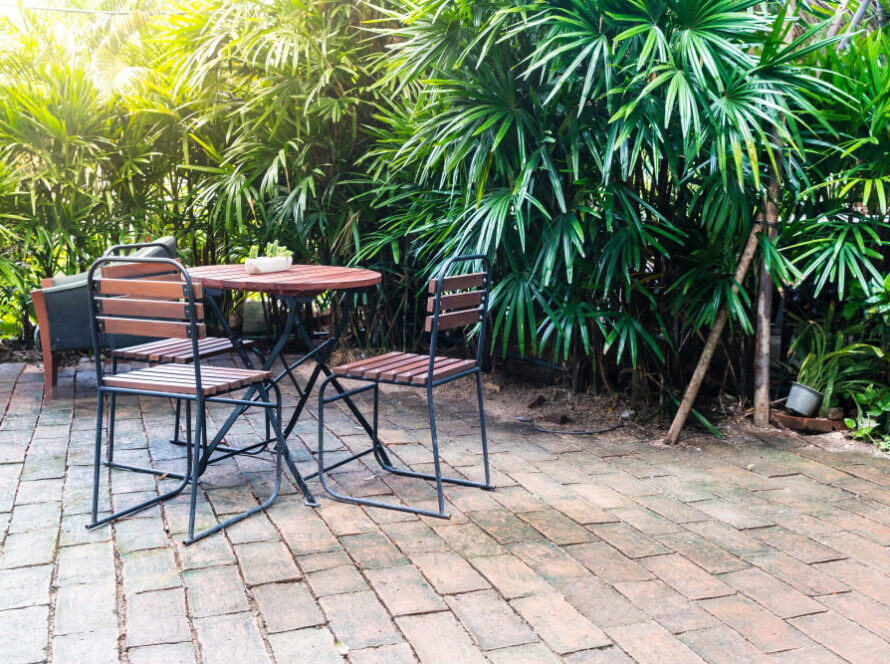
x=825 y=372
x=277 y=259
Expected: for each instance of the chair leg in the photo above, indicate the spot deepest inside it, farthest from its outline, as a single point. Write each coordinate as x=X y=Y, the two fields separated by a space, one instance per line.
x=97 y=457
x=198 y=461
x=489 y=486
x=442 y=514
x=177 y=418
x=434 y=436
x=112 y=411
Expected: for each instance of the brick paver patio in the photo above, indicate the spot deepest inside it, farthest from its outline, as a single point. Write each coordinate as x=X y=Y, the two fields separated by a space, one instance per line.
x=592 y=550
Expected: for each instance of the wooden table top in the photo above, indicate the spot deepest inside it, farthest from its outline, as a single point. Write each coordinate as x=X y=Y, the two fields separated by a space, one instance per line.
x=299 y=280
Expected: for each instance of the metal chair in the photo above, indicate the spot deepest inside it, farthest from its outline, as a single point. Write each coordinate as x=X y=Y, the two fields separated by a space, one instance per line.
x=163 y=351
x=456 y=302
x=155 y=297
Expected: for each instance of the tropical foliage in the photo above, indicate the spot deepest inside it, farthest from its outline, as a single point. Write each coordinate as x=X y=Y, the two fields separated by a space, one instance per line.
x=610 y=156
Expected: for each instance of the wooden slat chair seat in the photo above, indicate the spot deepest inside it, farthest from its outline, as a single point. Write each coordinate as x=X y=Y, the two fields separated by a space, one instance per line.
x=178 y=351
x=180 y=379
x=403 y=368
x=457 y=301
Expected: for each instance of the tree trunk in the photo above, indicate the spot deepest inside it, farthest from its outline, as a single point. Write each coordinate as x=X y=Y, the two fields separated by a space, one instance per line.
x=838 y=17
x=765 y=311
x=711 y=344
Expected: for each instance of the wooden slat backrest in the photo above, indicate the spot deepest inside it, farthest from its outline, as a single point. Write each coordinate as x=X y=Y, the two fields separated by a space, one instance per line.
x=145 y=288
x=459 y=282
x=140 y=270
x=149 y=327
x=457 y=309
x=128 y=306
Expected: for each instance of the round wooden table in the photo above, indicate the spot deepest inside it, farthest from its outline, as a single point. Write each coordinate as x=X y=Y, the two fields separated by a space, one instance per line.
x=297 y=281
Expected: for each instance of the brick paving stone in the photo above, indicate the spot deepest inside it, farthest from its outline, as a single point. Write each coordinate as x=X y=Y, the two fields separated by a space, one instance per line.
x=490 y=620
x=213 y=552
x=140 y=534
x=769 y=592
x=579 y=510
x=686 y=577
x=359 y=620
x=266 y=562
x=812 y=655
x=674 y=510
x=732 y=514
x=601 y=496
x=859 y=548
x=728 y=538
x=650 y=643
x=403 y=590
x=438 y=639
x=668 y=607
x=72 y=600
x=372 y=550
x=448 y=573
x=548 y=560
x=557 y=527
x=809 y=579
x=702 y=552
x=860 y=525
x=157 y=617
x=26 y=586
x=760 y=627
x=320 y=561
x=154 y=569
x=599 y=602
x=414 y=537
x=23 y=634
x=542 y=485
x=336 y=580
x=531 y=653
x=258 y=528
x=843 y=637
x=609 y=655
x=34 y=516
x=608 y=563
x=511 y=576
x=558 y=623
x=721 y=645
x=230 y=638
x=214 y=591
x=802 y=548
x=166 y=653
x=866 y=580
x=469 y=540
x=396 y=654
x=313 y=644
x=100 y=647
x=646 y=521
x=631 y=542
x=504 y=527
x=873 y=615
x=518 y=499
x=303 y=530
x=286 y=606
x=34 y=547
x=346 y=519
x=39 y=491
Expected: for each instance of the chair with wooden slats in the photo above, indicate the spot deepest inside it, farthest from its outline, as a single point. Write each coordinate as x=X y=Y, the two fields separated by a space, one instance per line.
x=159 y=351
x=456 y=301
x=155 y=298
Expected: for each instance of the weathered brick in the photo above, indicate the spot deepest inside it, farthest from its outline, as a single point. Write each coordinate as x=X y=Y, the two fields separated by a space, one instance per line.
x=154 y=569
x=359 y=620
x=372 y=551
x=469 y=540
x=166 y=653
x=530 y=653
x=71 y=601
x=778 y=597
x=286 y=606
x=399 y=653
x=33 y=547
x=721 y=645
x=414 y=537
x=504 y=526
x=490 y=620
x=843 y=637
x=23 y=633
x=702 y=552
x=157 y=617
x=598 y=602
x=558 y=623
x=549 y=561
x=557 y=527
x=872 y=615
x=230 y=638
x=763 y=629
x=98 y=647
x=608 y=563
x=668 y=607
x=685 y=577
x=866 y=580
x=438 y=639
x=650 y=642
x=313 y=644
x=448 y=573
x=802 y=548
x=403 y=590
x=511 y=576
x=629 y=541
x=266 y=562
x=215 y=591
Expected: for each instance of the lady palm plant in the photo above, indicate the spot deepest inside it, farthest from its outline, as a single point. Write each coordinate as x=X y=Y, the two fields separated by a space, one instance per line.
x=610 y=156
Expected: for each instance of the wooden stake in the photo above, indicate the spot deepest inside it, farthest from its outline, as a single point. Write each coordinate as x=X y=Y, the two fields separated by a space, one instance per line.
x=704 y=361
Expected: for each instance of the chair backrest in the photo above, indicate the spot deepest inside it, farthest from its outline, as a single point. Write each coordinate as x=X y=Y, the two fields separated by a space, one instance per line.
x=458 y=300
x=148 y=297
x=164 y=247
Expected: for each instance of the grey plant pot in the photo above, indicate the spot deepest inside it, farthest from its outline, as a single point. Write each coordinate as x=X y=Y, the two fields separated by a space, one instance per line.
x=803 y=400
